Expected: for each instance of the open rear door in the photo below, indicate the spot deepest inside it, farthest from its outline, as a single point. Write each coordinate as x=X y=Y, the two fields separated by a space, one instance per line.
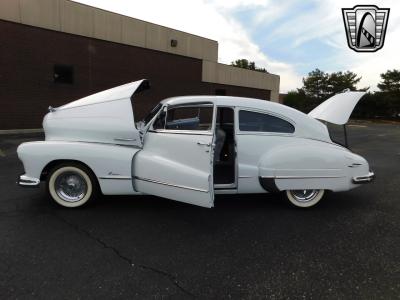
x=338 y=108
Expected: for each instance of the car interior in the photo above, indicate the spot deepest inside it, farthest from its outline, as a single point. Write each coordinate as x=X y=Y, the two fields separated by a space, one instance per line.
x=224 y=151
x=200 y=118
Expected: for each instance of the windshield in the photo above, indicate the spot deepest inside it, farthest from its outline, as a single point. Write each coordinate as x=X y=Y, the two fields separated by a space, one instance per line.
x=151 y=114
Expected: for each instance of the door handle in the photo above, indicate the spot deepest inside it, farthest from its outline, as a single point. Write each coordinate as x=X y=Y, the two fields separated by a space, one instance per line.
x=203 y=144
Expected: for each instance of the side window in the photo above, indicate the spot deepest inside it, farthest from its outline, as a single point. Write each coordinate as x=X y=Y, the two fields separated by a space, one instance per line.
x=253 y=121
x=159 y=122
x=189 y=118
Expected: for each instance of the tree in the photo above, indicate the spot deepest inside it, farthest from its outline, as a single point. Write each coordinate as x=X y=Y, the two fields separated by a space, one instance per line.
x=390 y=92
x=299 y=100
x=315 y=85
x=340 y=81
x=249 y=65
x=320 y=85
x=391 y=81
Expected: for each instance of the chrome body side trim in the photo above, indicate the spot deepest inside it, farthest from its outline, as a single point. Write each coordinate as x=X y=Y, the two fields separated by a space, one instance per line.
x=117 y=177
x=171 y=184
x=100 y=143
x=190 y=132
x=27 y=181
x=364 y=179
x=354 y=165
x=124 y=140
x=302 y=177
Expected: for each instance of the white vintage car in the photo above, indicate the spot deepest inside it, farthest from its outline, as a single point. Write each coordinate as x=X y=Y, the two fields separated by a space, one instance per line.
x=190 y=148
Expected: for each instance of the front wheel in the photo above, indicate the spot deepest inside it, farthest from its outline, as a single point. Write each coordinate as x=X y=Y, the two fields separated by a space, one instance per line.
x=71 y=185
x=304 y=198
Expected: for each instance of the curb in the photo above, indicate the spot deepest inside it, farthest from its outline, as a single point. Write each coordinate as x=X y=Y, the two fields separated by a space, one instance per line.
x=20 y=131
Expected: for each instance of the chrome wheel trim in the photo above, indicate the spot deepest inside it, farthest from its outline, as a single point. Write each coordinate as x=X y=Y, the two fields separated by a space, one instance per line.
x=70 y=186
x=304 y=195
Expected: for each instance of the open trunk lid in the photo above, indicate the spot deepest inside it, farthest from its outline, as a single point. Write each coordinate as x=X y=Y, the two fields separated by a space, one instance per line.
x=338 y=108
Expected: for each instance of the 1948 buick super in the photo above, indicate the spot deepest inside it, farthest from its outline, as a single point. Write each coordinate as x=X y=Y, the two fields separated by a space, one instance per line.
x=190 y=148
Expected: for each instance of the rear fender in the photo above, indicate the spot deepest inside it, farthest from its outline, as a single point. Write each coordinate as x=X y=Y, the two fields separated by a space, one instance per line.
x=305 y=165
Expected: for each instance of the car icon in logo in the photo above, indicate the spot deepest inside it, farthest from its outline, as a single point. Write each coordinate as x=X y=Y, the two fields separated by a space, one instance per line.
x=365 y=27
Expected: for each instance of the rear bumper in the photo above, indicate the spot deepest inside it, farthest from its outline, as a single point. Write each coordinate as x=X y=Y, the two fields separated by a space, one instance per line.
x=27 y=181
x=364 y=179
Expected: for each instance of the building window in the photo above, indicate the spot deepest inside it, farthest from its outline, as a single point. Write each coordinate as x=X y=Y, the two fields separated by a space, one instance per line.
x=220 y=92
x=253 y=121
x=63 y=74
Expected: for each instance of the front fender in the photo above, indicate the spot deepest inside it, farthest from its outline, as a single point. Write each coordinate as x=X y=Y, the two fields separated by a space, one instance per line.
x=111 y=164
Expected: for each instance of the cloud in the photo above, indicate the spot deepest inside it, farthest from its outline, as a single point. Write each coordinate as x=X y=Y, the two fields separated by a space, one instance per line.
x=213 y=19
x=321 y=23
x=288 y=38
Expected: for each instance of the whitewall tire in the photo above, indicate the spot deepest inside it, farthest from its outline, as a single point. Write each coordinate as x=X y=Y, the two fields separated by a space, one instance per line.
x=304 y=198
x=71 y=185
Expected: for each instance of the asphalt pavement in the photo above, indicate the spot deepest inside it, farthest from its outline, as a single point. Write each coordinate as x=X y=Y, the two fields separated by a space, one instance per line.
x=246 y=247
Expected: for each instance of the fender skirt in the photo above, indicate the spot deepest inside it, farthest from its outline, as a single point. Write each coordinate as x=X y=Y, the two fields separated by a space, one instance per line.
x=268 y=184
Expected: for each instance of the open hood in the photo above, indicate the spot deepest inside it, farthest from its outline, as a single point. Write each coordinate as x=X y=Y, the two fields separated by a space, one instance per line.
x=121 y=92
x=105 y=117
x=338 y=108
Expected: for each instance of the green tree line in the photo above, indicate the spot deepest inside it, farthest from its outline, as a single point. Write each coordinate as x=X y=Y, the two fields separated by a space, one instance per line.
x=319 y=86
x=249 y=65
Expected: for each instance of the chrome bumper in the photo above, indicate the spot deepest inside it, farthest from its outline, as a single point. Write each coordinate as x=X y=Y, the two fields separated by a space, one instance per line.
x=364 y=179
x=24 y=180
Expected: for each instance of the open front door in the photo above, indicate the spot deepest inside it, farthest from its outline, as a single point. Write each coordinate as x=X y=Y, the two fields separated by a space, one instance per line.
x=177 y=157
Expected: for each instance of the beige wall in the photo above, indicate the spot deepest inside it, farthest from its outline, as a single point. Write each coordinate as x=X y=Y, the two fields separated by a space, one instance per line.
x=225 y=74
x=71 y=17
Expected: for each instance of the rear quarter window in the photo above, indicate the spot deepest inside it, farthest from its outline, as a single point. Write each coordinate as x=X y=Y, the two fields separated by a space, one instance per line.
x=261 y=122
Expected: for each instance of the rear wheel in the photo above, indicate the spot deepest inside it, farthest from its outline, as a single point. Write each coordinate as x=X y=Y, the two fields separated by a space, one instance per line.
x=304 y=198
x=71 y=185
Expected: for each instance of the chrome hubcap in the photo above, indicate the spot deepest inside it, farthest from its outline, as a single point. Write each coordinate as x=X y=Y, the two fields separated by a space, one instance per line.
x=70 y=186
x=304 y=195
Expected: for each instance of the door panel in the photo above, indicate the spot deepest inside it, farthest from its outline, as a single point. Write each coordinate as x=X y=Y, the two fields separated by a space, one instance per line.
x=176 y=166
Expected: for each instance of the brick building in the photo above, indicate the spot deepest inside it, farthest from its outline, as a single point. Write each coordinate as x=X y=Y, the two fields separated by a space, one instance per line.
x=56 y=51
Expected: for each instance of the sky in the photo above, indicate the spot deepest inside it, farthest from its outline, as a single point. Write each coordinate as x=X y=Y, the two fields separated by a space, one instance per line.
x=287 y=37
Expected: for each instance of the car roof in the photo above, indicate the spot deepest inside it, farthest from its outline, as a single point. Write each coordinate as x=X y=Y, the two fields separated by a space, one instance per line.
x=234 y=101
x=305 y=125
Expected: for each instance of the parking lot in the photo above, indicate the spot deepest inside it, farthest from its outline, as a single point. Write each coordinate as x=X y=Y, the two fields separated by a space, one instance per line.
x=247 y=246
